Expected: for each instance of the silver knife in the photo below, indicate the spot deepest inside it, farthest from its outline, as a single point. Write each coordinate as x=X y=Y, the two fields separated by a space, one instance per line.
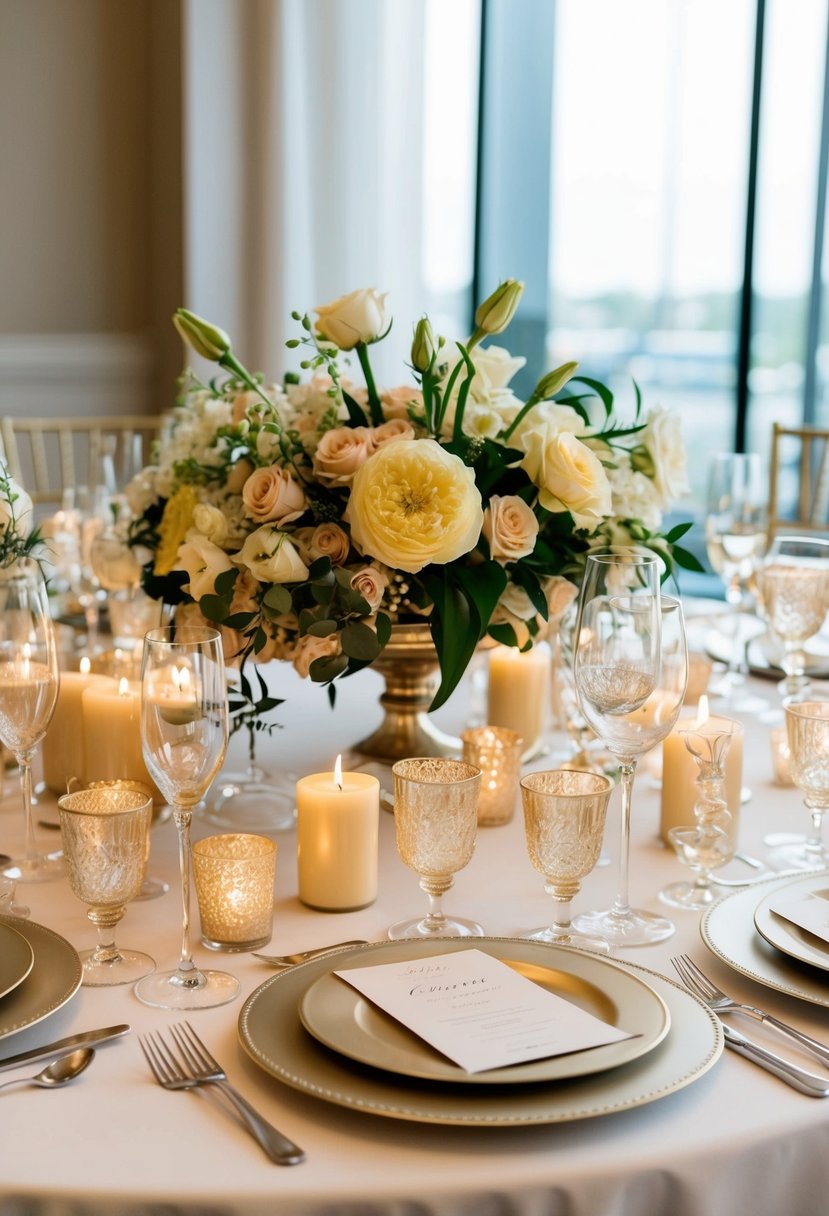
x=798 y=1078
x=63 y=1045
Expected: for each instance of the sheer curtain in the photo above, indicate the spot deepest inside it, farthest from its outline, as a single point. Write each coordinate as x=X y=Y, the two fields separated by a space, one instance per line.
x=303 y=165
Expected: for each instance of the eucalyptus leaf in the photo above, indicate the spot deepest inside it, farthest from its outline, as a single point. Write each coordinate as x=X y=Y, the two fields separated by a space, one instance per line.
x=360 y=642
x=322 y=629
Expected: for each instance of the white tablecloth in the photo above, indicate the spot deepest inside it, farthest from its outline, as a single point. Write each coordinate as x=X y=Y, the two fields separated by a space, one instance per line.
x=736 y=1141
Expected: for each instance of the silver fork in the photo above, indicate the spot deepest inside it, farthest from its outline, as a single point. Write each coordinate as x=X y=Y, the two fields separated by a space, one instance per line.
x=697 y=981
x=194 y=1066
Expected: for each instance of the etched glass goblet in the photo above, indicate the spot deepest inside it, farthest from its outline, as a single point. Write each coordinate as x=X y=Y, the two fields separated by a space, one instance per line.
x=807 y=728
x=436 y=820
x=184 y=731
x=710 y=843
x=105 y=840
x=564 y=818
x=794 y=599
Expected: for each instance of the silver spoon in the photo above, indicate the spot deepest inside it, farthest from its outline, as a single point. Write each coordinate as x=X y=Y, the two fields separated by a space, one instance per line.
x=64 y=1069
x=302 y=956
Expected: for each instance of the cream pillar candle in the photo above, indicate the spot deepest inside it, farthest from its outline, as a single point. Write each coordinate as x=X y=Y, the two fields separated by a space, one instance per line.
x=680 y=770
x=337 y=839
x=63 y=743
x=519 y=692
x=112 y=735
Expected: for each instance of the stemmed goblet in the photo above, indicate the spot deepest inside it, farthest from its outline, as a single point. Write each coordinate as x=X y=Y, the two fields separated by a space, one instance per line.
x=631 y=670
x=105 y=838
x=807 y=728
x=436 y=819
x=29 y=681
x=794 y=596
x=184 y=730
x=564 y=818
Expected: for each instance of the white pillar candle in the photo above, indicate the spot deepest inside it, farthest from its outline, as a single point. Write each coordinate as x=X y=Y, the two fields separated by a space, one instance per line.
x=63 y=743
x=112 y=735
x=337 y=839
x=519 y=692
x=680 y=771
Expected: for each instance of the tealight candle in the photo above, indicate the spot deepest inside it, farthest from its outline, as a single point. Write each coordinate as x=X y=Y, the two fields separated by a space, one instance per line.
x=63 y=743
x=679 y=772
x=112 y=734
x=337 y=837
x=519 y=692
x=176 y=696
x=234 y=883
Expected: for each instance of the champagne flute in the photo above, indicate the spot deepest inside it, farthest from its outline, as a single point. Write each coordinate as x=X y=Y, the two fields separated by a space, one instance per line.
x=184 y=730
x=29 y=680
x=794 y=596
x=631 y=688
x=735 y=536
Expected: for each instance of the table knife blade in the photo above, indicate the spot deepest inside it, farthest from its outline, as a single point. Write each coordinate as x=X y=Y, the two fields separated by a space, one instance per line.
x=61 y=1046
x=792 y=1074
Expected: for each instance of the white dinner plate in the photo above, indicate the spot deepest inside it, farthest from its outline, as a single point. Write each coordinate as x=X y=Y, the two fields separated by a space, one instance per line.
x=790 y=938
x=16 y=959
x=727 y=928
x=55 y=977
x=272 y=1034
x=343 y=1019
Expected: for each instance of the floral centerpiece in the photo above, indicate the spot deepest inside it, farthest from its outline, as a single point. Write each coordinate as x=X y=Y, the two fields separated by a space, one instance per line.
x=20 y=540
x=306 y=519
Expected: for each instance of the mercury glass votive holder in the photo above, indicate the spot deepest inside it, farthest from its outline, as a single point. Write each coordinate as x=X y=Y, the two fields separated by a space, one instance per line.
x=234 y=875
x=496 y=751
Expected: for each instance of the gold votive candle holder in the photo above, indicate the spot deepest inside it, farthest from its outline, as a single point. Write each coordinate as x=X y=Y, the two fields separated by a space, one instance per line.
x=781 y=756
x=496 y=751
x=234 y=875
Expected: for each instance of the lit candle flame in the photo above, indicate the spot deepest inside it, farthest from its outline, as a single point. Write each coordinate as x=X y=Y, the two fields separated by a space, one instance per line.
x=181 y=679
x=27 y=655
x=124 y=687
x=85 y=666
x=703 y=713
x=338 y=772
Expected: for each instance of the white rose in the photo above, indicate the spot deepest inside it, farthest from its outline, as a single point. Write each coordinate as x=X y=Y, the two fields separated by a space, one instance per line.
x=514 y=608
x=552 y=416
x=270 y=557
x=569 y=476
x=634 y=495
x=16 y=509
x=559 y=593
x=494 y=368
x=663 y=439
x=211 y=522
x=352 y=319
x=510 y=527
x=203 y=561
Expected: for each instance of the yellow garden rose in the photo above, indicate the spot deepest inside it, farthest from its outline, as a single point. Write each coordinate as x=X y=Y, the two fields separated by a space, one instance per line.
x=413 y=503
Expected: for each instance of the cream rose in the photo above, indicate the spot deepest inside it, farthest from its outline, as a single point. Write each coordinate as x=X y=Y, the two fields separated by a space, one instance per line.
x=569 y=476
x=309 y=648
x=388 y=432
x=203 y=562
x=270 y=557
x=340 y=453
x=663 y=439
x=514 y=608
x=510 y=527
x=352 y=319
x=330 y=540
x=371 y=583
x=272 y=495
x=211 y=522
x=413 y=503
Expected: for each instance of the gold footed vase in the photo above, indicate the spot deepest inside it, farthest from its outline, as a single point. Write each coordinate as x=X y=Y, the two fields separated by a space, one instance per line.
x=409 y=666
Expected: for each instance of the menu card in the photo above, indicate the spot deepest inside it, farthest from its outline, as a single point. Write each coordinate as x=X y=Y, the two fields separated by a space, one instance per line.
x=810 y=912
x=478 y=1011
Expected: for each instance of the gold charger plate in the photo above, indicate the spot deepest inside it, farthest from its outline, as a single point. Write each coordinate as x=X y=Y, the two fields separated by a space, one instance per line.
x=344 y=1020
x=788 y=937
x=727 y=928
x=16 y=959
x=55 y=977
x=271 y=1033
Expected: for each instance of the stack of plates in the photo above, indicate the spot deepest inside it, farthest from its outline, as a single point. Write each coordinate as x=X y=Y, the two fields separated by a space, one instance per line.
x=742 y=930
x=39 y=972
x=314 y=1032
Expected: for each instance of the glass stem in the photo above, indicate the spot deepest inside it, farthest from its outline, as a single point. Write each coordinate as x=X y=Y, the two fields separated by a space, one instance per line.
x=24 y=760
x=435 y=920
x=814 y=841
x=621 y=904
x=188 y=973
x=105 y=920
x=562 y=915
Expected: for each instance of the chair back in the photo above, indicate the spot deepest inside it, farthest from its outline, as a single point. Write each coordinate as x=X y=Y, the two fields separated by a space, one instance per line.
x=799 y=480
x=50 y=456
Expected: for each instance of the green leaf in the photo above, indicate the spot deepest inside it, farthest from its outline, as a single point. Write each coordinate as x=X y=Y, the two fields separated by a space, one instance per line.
x=266 y=704
x=360 y=642
x=327 y=668
x=484 y=586
x=214 y=607
x=278 y=598
x=525 y=578
x=678 y=532
x=505 y=634
x=323 y=593
x=321 y=568
x=687 y=560
x=239 y=620
x=322 y=629
x=382 y=623
x=224 y=582
x=601 y=391
x=452 y=629
x=356 y=414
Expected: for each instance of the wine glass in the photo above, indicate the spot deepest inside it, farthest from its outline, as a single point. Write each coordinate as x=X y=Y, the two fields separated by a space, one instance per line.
x=631 y=670
x=735 y=536
x=794 y=599
x=29 y=680
x=564 y=818
x=184 y=729
x=807 y=728
x=105 y=836
x=436 y=819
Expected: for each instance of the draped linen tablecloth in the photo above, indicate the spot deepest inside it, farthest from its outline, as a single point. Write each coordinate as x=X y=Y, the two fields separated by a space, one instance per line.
x=114 y=1143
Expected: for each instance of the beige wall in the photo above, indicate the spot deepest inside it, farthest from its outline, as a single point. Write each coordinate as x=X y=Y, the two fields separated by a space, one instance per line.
x=90 y=148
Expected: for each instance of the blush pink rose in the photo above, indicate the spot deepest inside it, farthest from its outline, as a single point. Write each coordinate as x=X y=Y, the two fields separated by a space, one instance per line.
x=388 y=432
x=272 y=495
x=340 y=453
